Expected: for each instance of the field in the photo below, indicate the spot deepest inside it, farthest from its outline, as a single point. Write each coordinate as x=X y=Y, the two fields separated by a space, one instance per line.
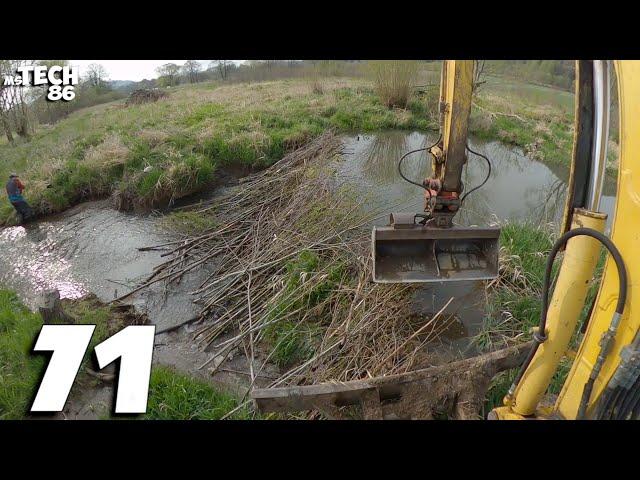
x=147 y=156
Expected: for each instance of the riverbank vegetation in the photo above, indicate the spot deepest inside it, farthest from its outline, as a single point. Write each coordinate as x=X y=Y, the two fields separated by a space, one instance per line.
x=172 y=395
x=147 y=156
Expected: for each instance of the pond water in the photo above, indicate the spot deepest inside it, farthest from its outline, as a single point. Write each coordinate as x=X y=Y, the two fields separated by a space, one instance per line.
x=519 y=189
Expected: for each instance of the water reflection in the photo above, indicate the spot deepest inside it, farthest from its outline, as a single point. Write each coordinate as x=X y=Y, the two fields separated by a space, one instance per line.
x=519 y=189
x=93 y=248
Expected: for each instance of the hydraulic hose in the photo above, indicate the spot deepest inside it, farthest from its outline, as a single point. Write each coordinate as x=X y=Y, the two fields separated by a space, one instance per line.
x=621 y=397
x=421 y=185
x=539 y=336
x=486 y=179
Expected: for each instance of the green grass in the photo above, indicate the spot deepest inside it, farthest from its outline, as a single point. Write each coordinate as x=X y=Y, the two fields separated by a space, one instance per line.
x=183 y=140
x=19 y=370
x=295 y=341
x=514 y=303
x=175 y=396
x=543 y=131
x=171 y=395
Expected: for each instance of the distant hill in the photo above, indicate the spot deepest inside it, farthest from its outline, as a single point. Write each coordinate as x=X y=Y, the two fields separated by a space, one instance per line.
x=127 y=86
x=121 y=84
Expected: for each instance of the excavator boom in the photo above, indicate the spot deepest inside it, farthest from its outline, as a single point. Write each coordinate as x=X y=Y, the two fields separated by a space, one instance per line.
x=427 y=247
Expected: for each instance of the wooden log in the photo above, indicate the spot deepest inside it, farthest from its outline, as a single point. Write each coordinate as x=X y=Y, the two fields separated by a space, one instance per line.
x=455 y=389
x=51 y=308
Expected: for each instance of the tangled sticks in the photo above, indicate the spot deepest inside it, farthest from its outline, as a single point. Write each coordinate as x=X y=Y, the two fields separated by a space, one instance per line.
x=291 y=277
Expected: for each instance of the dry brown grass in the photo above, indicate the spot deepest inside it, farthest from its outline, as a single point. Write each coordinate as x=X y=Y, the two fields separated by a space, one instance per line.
x=112 y=151
x=393 y=80
x=280 y=261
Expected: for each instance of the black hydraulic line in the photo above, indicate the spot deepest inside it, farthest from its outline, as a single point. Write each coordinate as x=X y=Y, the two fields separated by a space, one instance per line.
x=608 y=402
x=421 y=185
x=628 y=401
x=635 y=411
x=484 y=181
x=619 y=402
x=540 y=336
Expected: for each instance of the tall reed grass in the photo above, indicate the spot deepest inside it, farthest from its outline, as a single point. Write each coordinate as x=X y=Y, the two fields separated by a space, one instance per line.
x=393 y=80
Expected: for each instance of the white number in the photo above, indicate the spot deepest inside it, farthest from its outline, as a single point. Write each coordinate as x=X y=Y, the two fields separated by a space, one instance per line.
x=68 y=343
x=57 y=92
x=68 y=93
x=133 y=344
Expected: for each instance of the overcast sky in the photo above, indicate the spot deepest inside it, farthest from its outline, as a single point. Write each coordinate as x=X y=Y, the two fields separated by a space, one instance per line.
x=131 y=69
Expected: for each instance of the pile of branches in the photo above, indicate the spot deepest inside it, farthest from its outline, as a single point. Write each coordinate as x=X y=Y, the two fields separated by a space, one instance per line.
x=292 y=249
x=145 y=95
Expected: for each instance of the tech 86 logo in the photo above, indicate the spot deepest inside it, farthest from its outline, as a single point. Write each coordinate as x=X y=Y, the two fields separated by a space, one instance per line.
x=60 y=79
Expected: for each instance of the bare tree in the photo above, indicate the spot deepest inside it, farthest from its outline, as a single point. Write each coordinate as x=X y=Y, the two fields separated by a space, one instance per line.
x=222 y=66
x=14 y=108
x=96 y=75
x=191 y=68
x=4 y=100
x=478 y=74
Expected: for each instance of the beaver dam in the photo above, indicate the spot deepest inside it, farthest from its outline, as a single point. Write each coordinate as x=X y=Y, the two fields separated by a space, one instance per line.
x=289 y=279
x=273 y=279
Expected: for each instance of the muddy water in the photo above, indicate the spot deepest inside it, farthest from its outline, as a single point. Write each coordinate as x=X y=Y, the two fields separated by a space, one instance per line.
x=519 y=189
x=92 y=248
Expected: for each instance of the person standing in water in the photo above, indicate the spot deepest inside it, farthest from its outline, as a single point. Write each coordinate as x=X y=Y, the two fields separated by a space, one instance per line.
x=14 y=192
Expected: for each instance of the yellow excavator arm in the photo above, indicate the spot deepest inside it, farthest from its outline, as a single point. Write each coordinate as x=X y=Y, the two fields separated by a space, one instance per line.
x=427 y=247
x=604 y=380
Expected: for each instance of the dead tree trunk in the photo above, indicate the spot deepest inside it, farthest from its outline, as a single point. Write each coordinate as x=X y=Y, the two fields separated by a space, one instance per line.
x=51 y=309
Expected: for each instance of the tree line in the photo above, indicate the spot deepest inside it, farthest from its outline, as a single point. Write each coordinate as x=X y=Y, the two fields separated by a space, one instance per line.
x=22 y=108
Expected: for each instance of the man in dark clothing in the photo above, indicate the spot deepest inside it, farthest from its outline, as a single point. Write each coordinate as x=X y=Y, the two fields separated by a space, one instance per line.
x=14 y=191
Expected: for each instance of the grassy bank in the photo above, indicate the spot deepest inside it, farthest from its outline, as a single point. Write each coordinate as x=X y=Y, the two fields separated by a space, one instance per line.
x=20 y=369
x=171 y=395
x=538 y=119
x=147 y=155
x=175 y=396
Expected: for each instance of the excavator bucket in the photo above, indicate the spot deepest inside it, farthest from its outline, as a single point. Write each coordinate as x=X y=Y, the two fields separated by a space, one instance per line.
x=407 y=252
